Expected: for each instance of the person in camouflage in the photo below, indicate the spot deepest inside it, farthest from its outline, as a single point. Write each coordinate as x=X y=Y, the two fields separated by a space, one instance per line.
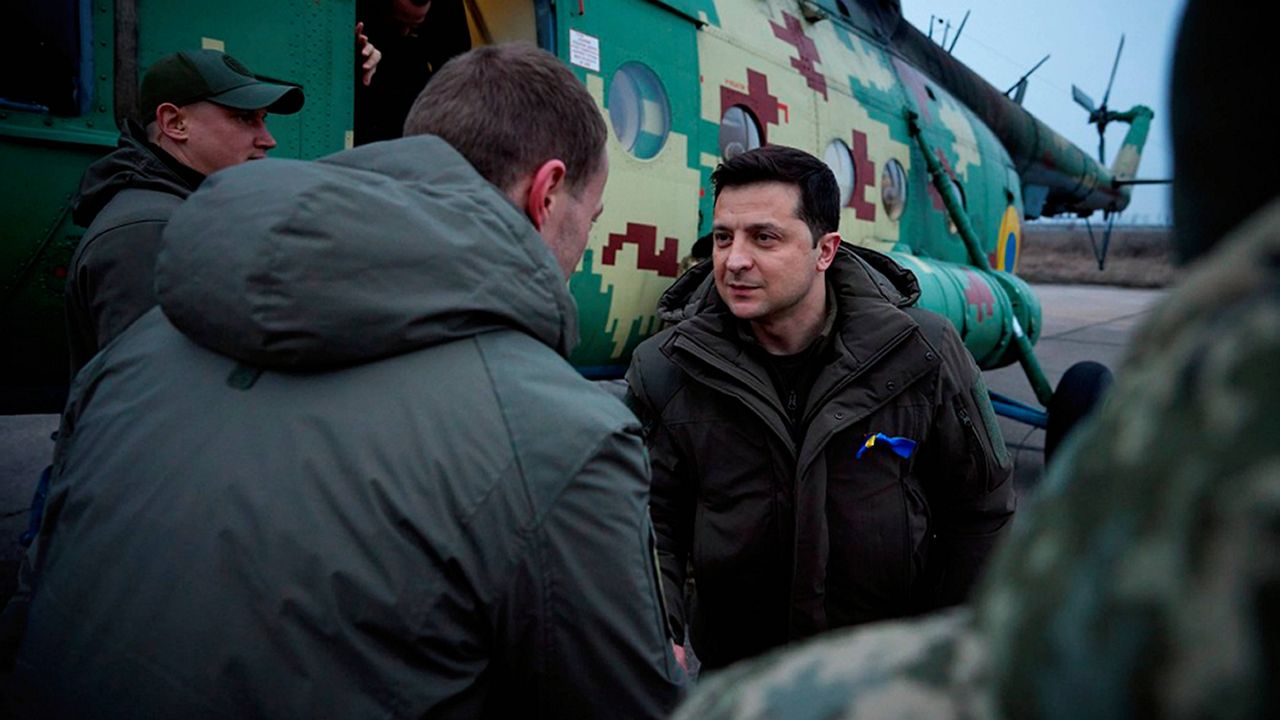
x=1146 y=579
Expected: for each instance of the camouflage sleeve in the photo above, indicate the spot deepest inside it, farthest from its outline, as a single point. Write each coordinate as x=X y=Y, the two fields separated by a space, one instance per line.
x=1148 y=569
x=934 y=667
x=966 y=471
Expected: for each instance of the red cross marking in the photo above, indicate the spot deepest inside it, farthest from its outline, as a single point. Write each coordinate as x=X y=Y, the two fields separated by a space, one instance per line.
x=915 y=83
x=864 y=176
x=978 y=294
x=757 y=99
x=793 y=34
x=645 y=238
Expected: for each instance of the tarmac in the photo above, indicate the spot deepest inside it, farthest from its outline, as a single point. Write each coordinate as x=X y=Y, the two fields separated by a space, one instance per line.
x=1079 y=323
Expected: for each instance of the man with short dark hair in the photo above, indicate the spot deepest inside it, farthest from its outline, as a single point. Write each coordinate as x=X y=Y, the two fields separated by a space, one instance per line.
x=823 y=454
x=345 y=469
x=203 y=111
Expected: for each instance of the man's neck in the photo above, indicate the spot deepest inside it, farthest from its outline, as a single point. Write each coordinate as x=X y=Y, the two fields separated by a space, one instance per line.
x=790 y=333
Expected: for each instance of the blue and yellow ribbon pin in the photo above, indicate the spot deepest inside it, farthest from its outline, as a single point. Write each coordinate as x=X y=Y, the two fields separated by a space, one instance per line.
x=902 y=447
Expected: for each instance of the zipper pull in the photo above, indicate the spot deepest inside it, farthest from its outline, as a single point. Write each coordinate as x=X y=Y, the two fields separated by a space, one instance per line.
x=791 y=402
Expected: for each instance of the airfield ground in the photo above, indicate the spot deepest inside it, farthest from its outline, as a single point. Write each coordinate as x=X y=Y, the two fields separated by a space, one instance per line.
x=1137 y=256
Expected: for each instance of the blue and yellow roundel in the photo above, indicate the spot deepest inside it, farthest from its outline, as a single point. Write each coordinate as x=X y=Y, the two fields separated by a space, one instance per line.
x=1009 y=242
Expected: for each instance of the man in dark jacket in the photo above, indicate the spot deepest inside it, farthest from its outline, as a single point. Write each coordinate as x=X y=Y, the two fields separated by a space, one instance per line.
x=345 y=469
x=204 y=111
x=822 y=454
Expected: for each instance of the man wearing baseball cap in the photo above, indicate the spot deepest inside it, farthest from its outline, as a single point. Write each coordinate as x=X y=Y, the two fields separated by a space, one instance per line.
x=202 y=111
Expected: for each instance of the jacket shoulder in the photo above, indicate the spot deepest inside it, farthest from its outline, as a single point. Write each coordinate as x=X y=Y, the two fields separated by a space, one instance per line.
x=132 y=206
x=556 y=421
x=652 y=379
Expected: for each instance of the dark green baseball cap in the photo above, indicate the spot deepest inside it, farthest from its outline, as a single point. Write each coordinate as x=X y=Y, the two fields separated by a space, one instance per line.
x=194 y=75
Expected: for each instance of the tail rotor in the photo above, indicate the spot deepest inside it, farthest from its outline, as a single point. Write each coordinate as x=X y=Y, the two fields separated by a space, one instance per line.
x=1100 y=115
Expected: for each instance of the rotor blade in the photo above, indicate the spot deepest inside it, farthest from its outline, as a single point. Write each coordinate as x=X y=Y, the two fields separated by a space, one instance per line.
x=1107 y=95
x=1082 y=99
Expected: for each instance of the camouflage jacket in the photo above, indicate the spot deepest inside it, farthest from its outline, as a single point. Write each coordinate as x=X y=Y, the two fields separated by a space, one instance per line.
x=1143 y=582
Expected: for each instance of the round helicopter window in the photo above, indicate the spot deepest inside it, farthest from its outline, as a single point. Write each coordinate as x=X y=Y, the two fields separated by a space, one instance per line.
x=639 y=110
x=840 y=161
x=739 y=132
x=893 y=189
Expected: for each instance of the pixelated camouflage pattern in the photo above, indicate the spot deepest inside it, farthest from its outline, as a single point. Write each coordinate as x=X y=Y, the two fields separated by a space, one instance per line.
x=808 y=84
x=931 y=669
x=1144 y=581
x=1148 y=581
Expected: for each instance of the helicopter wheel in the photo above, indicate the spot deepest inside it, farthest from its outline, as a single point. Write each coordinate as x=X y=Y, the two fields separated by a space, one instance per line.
x=1080 y=389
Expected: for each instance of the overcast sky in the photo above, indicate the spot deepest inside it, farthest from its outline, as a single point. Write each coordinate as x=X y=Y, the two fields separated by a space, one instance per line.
x=1005 y=38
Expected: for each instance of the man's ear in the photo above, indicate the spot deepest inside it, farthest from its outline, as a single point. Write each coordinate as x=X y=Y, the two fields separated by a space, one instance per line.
x=544 y=189
x=171 y=122
x=827 y=245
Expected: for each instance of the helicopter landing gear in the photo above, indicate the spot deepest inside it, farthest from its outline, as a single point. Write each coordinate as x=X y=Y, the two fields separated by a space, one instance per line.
x=1077 y=393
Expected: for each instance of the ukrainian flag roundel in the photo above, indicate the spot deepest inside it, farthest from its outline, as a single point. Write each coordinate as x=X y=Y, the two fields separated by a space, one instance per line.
x=1010 y=240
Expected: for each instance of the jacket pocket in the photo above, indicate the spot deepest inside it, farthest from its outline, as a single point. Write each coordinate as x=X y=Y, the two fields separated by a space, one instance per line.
x=877 y=520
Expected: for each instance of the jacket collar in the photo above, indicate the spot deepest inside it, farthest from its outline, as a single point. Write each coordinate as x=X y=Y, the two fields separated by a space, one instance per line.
x=868 y=289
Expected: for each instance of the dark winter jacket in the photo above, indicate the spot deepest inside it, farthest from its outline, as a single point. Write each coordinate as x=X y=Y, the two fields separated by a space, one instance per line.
x=125 y=199
x=348 y=472
x=788 y=539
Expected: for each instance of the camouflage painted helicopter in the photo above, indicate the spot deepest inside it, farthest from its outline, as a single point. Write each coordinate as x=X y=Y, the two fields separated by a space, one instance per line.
x=935 y=166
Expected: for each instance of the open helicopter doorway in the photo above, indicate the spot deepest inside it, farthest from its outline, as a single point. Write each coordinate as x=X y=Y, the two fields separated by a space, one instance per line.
x=502 y=21
x=418 y=37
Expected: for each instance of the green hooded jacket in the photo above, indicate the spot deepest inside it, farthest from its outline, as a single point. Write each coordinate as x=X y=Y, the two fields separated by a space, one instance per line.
x=125 y=200
x=347 y=472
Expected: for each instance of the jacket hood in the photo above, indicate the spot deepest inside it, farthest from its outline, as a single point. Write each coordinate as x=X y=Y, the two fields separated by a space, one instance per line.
x=855 y=272
x=132 y=165
x=369 y=253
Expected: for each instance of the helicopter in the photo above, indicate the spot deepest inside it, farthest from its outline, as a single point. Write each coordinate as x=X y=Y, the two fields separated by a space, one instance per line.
x=936 y=167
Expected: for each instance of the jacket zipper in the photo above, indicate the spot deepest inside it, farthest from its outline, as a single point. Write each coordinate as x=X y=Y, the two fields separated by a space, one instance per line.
x=972 y=429
x=697 y=350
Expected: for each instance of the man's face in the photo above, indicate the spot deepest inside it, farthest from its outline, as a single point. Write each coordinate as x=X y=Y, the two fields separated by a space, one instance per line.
x=409 y=15
x=568 y=224
x=763 y=255
x=219 y=137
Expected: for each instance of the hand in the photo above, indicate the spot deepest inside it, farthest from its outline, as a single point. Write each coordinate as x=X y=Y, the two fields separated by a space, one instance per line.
x=680 y=658
x=369 y=54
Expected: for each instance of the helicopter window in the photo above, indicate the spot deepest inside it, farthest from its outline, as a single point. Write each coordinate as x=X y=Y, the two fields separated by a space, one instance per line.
x=893 y=189
x=739 y=132
x=46 y=43
x=639 y=110
x=840 y=161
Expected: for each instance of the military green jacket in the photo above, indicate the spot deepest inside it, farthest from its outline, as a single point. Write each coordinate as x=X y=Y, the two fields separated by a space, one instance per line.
x=125 y=199
x=789 y=538
x=345 y=470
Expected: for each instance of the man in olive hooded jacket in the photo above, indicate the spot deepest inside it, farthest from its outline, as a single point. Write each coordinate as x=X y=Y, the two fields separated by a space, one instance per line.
x=345 y=469
x=823 y=454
